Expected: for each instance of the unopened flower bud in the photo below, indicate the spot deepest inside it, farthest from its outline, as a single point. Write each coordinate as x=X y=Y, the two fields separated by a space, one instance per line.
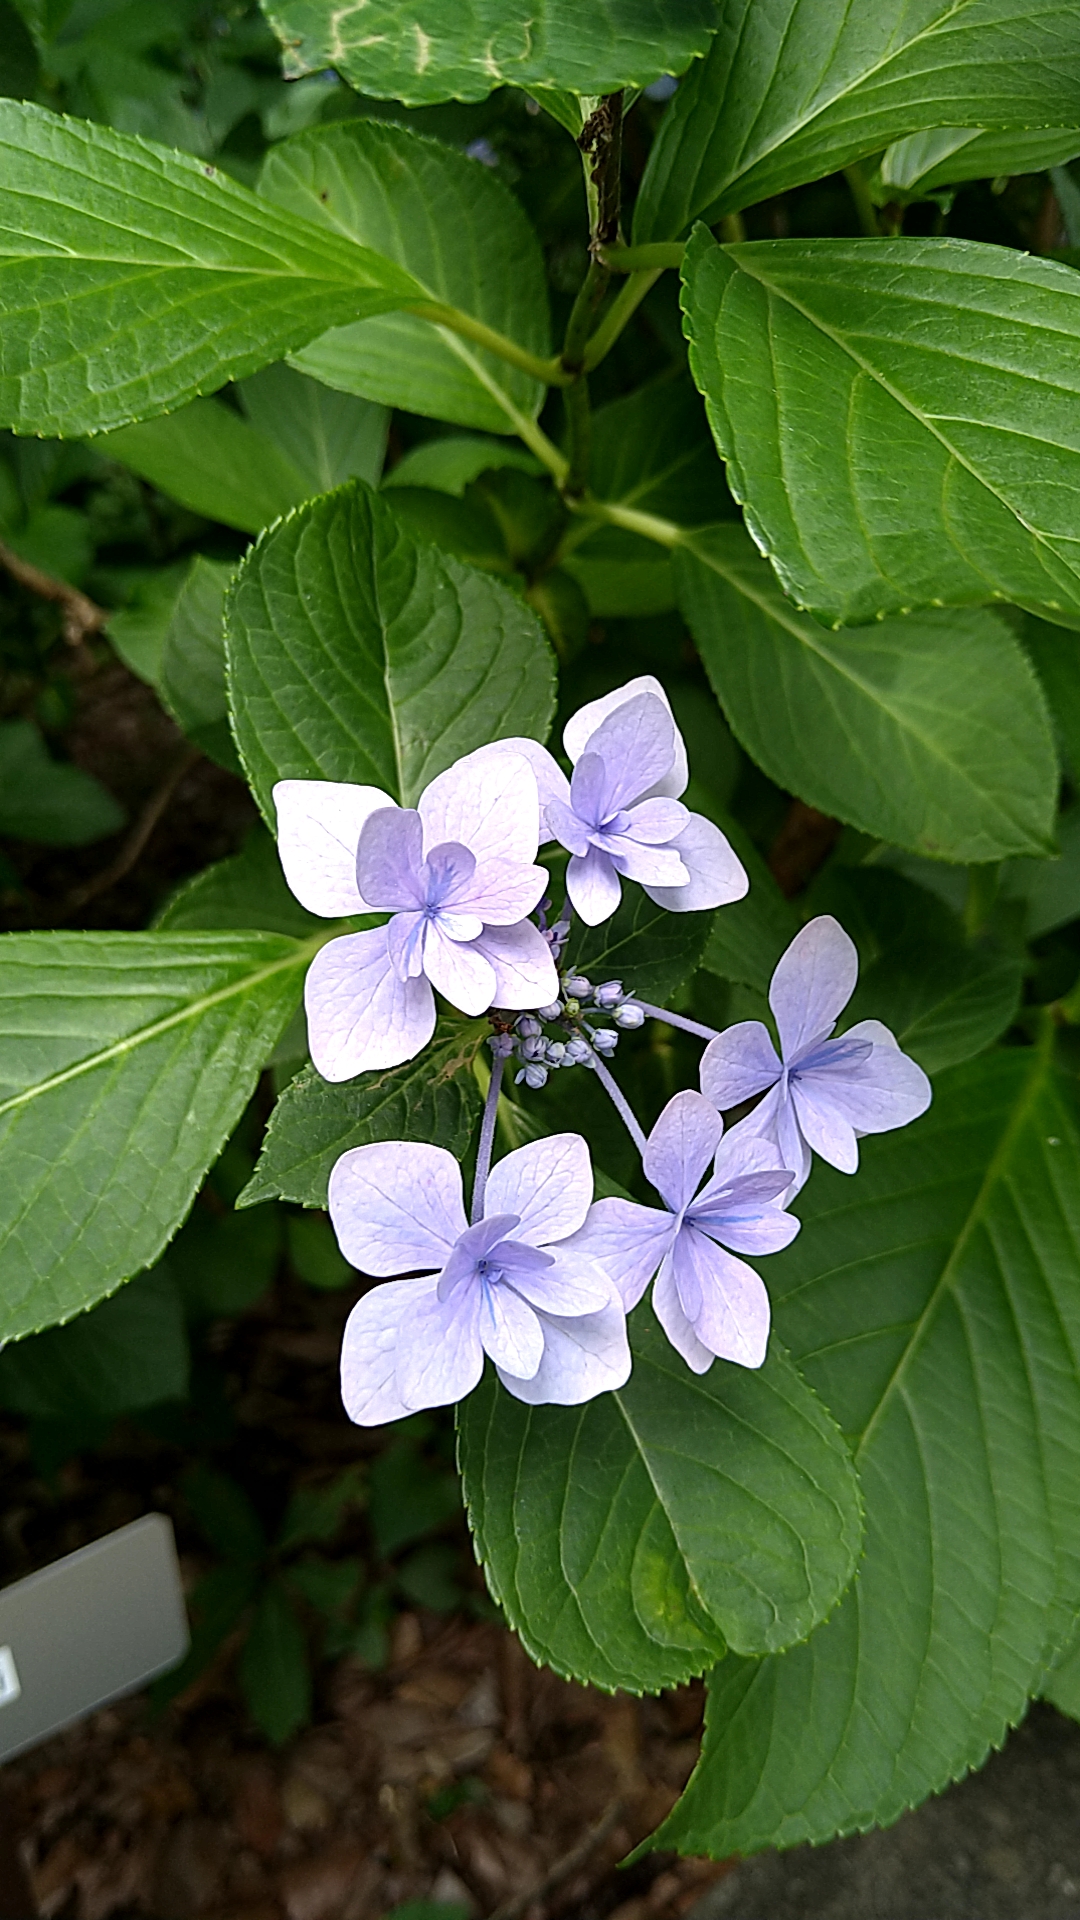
x=609 y=994
x=571 y=1008
x=532 y=1047
x=528 y=1026
x=501 y=1044
x=629 y=1015
x=605 y=1039
x=576 y=985
x=551 y=1012
x=576 y=1052
x=534 y=1076
x=555 y=1053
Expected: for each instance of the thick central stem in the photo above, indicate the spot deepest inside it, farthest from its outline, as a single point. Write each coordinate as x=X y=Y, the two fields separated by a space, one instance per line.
x=487 y=1138
x=619 y=1102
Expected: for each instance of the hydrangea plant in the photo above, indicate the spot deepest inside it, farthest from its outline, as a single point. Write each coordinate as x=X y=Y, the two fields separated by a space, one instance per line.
x=783 y=528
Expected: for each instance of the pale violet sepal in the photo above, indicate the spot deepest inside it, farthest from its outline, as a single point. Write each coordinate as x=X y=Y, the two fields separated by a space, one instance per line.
x=509 y=1285
x=821 y=1094
x=709 y=1303
x=319 y=823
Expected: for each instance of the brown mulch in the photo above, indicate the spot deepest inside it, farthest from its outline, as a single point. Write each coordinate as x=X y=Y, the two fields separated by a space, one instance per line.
x=189 y=1816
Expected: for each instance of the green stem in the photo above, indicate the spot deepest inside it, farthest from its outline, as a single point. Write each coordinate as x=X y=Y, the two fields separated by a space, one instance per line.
x=550 y=372
x=545 y=450
x=982 y=892
x=648 y=259
x=624 y=305
x=732 y=229
x=864 y=206
x=666 y=533
x=579 y=437
x=585 y=308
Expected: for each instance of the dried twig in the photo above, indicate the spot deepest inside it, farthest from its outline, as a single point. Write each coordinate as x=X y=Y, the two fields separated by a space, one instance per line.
x=81 y=615
x=565 y=1868
x=140 y=832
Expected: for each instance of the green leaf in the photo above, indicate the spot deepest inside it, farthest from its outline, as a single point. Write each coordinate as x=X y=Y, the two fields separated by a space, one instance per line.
x=747 y=938
x=126 y=1060
x=316 y=1513
x=327 y=437
x=454 y=228
x=131 y=1351
x=1056 y=656
x=899 y=420
x=48 y=800
x=930 y=732
x=275 y=1671
x=434 y=1098
x=132 y=278
x=945 y=1000
x=649 y=949
x=137 y=631
x=1062 y=1688
x=1050 y=889
x=446 y=50
x=356 y=654
x=794 y=91
x=934 y=1306
x=192 y=682
x=211 y=460
x=315 y=1253
x=449 y=464
x=223 y=1263
x=630 y=1538
x=224 y=1515
x=217 y=1604
x=948 y=155
x=247 y=890
x=408 y=1497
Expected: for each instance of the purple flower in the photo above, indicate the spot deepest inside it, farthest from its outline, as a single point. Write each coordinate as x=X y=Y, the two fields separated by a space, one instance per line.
x=507 y=1286
x=824 y=1094
x=708 y=1303
x=620 y=816
x=458 y=876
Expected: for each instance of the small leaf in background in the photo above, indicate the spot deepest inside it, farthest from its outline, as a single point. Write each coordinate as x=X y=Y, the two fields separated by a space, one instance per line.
x=800 y=89
x=456 y=229
x=317 y=1513
x=408 y=1497
x=192 y=681
x=129 y=1352
x=224 y=1262
x=275 y=1667
x=329 y=437
x=930 y=732
x=433 y=1098
x=634 y=1572
x=126 y=1060
x=91 y=337
x=451 y=462
x=137 y=630
x=215 y=462
x=748 y=937
x=835 y=409
x=356 y=654
x=247 y=890
x=216 y=1606
x=1050 y=889
x=48 y=800
x=547 y=43
x=948 y=155
x=429 y=1578
x=327 y=1585
x=225 y=1515
x=315 y=1254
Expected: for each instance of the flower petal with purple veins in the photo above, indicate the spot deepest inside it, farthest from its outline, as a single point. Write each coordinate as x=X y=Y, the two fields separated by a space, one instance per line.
x=812 y=984
x=671 y=1314
x=717 y=875
x=593 y=886
x=525 y=973
x=510 y=1332
x=440 y=1356
x=488 y=801
x=584 y=724
x=738 y=1064
x=548 y=1184
x=319 y=823
x=583 y=1356
x=681 y=1146
x=397 y=1205
x=460 y=972
x=389 y=859
x=360 y=1016
x=628 y=1241
x=369 y=1350
x=724 y=1300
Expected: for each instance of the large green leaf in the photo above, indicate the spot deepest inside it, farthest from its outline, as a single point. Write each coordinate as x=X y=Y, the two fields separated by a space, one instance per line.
x=1056 y=654
x=211 y=460
x=247 y=890
x=929 y=731
x=933 y=1303
x=451 y=225
x=419 y=51
x=948 y=155
x=649 y=949
x=326 y=437
x=357 y=654
x=630 y=1538
x=125 y=1061
x=132 y=278
x=900 y=420
x=434 y=1097
x=794 y=91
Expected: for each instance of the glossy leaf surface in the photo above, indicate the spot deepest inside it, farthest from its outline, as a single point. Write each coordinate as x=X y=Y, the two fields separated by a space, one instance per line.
x=357 y=654
x=934 y=1307
x=928 y=731
x=713 y=1508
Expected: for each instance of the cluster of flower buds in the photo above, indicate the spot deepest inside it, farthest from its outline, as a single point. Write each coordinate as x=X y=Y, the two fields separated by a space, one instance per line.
x=578 y=1041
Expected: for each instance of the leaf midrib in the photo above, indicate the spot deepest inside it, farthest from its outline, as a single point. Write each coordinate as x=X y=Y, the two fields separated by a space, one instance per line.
x=302 y=951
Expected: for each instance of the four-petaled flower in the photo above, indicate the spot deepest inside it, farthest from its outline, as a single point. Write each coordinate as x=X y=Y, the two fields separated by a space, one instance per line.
x=709 y=1303
x=458 y=875
x=507 y=1286
x=824 y=1093
x=620 y=816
